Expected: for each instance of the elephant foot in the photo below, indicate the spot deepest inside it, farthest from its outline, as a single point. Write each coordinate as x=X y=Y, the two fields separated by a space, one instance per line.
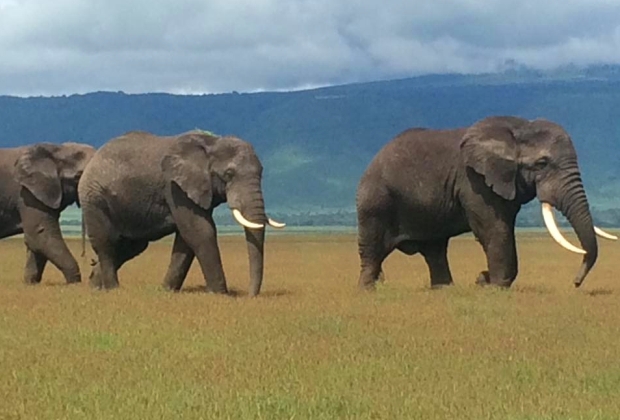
x=484 y=279
x=368 y=279
x=437 y=286
x=381 y=277
x=217 y=287
x=367 y=287
x=32 y=281
x=101 y=286
x=96 y=282
x=74 y=280
x=173 y=284
x=217 y=291
x=170 y=288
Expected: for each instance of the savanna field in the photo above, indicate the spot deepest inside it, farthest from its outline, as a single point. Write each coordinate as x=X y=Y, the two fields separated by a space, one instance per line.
x=312 y=346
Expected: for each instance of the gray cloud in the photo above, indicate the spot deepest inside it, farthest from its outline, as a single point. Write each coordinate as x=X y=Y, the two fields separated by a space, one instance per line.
x=75 y=46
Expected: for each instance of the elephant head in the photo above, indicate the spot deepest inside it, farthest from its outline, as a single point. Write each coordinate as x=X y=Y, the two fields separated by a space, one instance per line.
x=51 y=172
x=211 y=170
x=521 y=160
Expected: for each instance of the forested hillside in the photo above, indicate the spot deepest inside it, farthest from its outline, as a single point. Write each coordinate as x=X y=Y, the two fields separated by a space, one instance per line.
x=315 y=144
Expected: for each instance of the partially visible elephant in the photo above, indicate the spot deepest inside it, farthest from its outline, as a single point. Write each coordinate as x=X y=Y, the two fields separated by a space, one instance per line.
x=426 y=186
x=140 y=187
x=37 y=183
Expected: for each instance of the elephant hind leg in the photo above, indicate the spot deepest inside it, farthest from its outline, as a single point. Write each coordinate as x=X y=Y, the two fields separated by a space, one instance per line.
x=373 y=248
x=436 y=256
x=112 y=256
x=103 y=237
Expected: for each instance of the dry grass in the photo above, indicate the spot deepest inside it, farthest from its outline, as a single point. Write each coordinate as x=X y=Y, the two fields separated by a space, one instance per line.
x=312 y=347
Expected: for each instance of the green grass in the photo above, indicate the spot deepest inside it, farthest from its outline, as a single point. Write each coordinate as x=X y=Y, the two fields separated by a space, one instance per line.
x=312 y=346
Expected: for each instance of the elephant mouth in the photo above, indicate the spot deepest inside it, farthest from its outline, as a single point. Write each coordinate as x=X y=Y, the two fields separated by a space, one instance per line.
x=252 y=225
x=552 y=227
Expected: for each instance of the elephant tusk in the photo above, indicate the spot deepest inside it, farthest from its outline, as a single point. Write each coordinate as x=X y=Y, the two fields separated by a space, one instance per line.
x=552 y=227
x=273 y=223
x=600 y=232
x=244 y=222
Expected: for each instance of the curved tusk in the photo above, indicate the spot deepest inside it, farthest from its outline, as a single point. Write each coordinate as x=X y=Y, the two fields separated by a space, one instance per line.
x=244 y=222
x=600 y=232
x=552 y=227
x=275 y=224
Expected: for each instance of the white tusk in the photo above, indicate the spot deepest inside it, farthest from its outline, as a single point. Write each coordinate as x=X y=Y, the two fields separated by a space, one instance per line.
x=552 y=227
x=244 y=222
x=600 y=232
x=275 y=224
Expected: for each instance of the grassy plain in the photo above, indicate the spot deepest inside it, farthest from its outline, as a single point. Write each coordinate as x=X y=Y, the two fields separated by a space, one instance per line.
x=312 y=346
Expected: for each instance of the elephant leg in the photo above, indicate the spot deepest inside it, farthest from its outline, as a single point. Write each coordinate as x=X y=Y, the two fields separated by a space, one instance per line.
x=104 y=274
x=35 y=264
x=208 y=254
x=46 y=238
x=501 y=252
x=103 y=238
x=111 y=259
x=198 y=231
x=373 y=250
x=180 y=263
x=436 y=256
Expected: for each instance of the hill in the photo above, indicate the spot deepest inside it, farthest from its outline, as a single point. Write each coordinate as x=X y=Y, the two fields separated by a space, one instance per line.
x=316 y=143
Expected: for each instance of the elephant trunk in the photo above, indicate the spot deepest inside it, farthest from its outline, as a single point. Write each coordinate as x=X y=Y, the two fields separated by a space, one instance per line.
x=573 y=204
x=249 y=210
x=256 y=240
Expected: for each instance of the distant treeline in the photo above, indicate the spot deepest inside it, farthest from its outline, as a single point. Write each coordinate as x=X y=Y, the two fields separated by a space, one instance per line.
x=529 y=216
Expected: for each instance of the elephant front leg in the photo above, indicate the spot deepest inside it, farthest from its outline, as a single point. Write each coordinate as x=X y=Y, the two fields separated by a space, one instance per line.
x=180 y=263
x=46 y=239
x=501 y=252
x=200 y=234
x=35 y=264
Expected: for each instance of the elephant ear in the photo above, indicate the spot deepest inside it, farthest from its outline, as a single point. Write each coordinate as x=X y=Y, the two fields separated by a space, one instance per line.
x=187 y=165
x=491 y=151
x=36 y=170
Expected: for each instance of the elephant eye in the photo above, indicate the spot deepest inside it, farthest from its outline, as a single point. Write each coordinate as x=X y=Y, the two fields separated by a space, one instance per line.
x=541 y=163
x=229 y=173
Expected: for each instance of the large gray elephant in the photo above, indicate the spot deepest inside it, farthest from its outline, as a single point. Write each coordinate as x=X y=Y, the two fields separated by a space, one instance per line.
x=37 y=183
x=140 y=187
x=426 y=186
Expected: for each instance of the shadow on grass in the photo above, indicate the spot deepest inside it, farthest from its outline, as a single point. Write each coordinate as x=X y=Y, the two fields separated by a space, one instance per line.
x=236 y=293
x=536 y=290
x=599 y=292
x=56 y=284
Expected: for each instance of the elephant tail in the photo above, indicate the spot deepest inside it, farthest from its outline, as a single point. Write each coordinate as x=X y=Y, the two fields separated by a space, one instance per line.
x=83 y=237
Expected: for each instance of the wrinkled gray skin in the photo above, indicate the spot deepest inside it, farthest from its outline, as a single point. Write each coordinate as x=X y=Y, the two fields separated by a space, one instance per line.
x=140 y=187
x=427 y=186
x=37 y=183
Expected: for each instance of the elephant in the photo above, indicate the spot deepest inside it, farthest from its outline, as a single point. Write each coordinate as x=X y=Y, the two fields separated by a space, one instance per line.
x=428 y=185
x=37 y=182
x=141 y=187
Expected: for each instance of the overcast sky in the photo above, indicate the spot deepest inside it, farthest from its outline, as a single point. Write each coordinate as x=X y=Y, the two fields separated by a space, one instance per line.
x=51 y=47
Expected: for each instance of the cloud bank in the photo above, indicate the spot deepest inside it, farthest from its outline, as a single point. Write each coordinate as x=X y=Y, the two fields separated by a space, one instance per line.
x=194 y=46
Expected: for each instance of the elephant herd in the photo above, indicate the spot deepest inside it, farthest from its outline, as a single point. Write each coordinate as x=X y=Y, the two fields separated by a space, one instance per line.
x=422 y=188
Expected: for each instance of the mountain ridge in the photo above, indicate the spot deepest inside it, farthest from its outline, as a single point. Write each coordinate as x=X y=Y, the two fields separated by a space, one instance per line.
x=316 y=143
